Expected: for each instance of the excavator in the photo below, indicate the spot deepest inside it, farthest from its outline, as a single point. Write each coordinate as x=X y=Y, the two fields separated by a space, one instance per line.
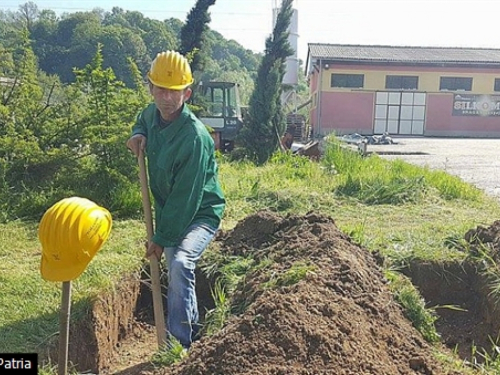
x=221 y=111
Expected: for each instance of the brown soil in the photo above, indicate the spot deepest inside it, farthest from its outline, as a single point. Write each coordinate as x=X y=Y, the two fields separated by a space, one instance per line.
x=98 y=328
x=339 y=319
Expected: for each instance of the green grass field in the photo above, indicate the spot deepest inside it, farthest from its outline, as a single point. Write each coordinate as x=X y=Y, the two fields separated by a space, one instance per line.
x=404 y=212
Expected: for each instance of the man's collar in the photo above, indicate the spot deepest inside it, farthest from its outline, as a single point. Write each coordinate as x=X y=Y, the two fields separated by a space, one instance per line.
x=163 y=124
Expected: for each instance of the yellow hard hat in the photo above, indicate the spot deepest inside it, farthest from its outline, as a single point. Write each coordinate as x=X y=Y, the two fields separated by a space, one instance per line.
x=71 y=232
x=170 y=70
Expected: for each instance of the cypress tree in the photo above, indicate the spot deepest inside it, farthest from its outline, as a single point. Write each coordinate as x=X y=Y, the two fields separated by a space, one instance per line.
x=260 y=136
x=192 y=33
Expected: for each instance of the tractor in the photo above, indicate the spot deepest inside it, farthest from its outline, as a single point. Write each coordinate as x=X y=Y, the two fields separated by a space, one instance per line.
x=221 y=111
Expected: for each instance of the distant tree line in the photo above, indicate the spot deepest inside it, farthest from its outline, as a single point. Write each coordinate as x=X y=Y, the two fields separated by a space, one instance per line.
x=70 y=90
x=70 y=41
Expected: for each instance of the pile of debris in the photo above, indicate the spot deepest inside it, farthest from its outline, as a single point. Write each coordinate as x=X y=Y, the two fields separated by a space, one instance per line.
x=355 y=138
x=313 y=150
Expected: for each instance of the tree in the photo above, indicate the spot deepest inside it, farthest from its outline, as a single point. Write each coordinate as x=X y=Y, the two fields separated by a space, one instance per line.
x=12 y=34
x=70 y=41
x=50 y=55
x=28 y=14
x=260 y=136
x=158 y=37
x=57 y=141
x=76 y=40
x=110 y=109
x=28 y=128
x=116 y=17
x=118 y=45
x=192 y=33
x=175 y=25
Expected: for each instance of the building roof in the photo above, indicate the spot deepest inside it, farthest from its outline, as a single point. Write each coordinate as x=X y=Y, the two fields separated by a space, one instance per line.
x=404 y=55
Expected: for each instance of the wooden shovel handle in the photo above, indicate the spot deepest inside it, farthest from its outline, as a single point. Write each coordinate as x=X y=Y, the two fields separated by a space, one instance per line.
x=64 y=316
x=159 y=316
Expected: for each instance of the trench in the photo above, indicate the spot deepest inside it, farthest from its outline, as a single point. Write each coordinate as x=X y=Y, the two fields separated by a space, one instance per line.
x=100 y=326
x=144 y=306
x=468 y=315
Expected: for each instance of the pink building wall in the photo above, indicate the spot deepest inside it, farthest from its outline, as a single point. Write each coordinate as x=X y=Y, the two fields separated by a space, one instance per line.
x=346 y=112
x=313 y=87
x=313 y=83
x=441 y=122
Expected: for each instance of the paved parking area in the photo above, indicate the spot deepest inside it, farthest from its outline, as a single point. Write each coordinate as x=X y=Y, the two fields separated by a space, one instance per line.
x=476 y=161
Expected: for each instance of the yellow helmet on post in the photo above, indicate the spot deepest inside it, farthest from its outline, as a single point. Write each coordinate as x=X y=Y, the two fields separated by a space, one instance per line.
x=71 y=232
x=170 y=70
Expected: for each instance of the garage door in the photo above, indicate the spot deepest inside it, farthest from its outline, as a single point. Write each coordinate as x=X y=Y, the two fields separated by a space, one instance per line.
x=399 y=113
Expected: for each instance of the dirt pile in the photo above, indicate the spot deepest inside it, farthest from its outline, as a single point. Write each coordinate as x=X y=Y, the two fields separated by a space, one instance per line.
x=339 y=319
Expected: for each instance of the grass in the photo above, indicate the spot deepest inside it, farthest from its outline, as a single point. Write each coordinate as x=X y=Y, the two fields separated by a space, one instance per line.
x=171 y=353
x=296 y=273
x=216 y=318
x=29 y=305
x=400 y=210
x=374 y=180
x=414 y=306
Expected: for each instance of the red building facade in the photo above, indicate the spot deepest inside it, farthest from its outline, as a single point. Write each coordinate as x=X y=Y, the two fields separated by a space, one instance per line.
x=404 y=90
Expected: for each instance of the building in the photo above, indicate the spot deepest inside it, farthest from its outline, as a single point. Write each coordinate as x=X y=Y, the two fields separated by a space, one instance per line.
x=425 y=91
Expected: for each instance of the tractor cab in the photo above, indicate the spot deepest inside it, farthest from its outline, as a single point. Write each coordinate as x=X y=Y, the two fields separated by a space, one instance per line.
x=221 y=111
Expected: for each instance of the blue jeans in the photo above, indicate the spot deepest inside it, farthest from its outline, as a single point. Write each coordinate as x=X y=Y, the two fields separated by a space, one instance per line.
x=182 y=313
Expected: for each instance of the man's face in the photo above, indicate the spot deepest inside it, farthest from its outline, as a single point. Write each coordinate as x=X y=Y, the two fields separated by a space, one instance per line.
x=169 y=102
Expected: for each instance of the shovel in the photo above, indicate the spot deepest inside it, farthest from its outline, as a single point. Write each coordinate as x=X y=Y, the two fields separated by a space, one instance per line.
x=161 y=334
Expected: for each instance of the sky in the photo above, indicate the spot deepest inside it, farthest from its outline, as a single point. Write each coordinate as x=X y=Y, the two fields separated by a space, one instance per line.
x=427 y=23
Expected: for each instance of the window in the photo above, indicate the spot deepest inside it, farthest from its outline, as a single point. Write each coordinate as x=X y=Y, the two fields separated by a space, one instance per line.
x=497 y=84
x=347 y=80
x=455 y=83
x=401 y=82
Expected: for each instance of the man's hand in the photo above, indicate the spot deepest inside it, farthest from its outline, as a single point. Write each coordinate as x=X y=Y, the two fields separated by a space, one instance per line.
x=154 y=250
x=136 y=143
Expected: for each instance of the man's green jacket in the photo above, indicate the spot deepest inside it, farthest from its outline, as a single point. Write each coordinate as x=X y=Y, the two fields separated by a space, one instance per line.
x=183 y=174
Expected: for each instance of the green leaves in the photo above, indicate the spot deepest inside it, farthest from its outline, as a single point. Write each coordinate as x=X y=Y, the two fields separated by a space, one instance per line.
x=58 y=141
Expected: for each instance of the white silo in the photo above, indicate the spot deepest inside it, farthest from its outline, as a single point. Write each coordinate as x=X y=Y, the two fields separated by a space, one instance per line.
x=292 y=62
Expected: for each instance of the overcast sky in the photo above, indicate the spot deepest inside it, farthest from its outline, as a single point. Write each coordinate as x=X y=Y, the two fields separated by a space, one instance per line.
x=445 y=23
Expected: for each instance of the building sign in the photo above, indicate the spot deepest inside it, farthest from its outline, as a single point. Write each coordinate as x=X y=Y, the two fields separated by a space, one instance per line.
x=476 y=105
